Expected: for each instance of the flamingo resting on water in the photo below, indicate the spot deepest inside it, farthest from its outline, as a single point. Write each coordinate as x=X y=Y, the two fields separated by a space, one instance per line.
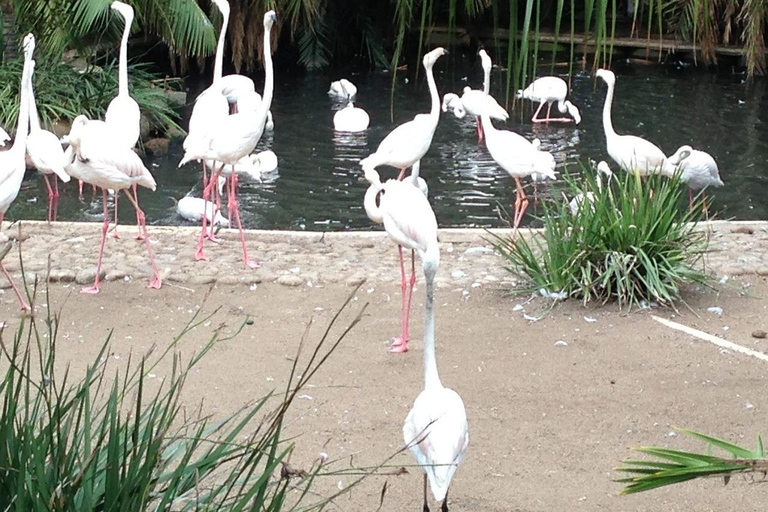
x=12 y=162
x=96 y=156
x=436 y=429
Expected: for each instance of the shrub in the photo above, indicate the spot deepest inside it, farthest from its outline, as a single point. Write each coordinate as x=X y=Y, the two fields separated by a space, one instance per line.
x=63 y=92
x=632 y=242
x=106 y=443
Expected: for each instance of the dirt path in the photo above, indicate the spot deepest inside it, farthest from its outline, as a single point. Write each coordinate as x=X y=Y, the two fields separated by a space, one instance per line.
x=548 y=421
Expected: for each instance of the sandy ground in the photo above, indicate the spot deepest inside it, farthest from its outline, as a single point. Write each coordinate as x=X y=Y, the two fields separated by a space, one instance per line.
x=548 y=421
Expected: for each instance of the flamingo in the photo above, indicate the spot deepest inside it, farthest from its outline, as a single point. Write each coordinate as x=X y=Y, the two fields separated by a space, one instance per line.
x=513 y=153
x=351 y=119
x=370 y=203
x=12 y=162
x=548 y=90
x=234 y=137
x=575 y=204
x=409 y=142
x=96 y=156
x=453 y=102
x=343 y=89
x=436 y=429
x=123 y=113
x=193 y=208
x=473 y=101
x=631 y=153
x=47 y=156
x=699 y=169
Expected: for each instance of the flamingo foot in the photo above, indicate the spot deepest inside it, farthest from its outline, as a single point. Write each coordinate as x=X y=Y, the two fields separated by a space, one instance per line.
x=155 y=283
x=398 y=346
x=93 y=290
x=200 y=255
x=140 y=236
x=114 y=234
x=212 y=237
x=252 y=264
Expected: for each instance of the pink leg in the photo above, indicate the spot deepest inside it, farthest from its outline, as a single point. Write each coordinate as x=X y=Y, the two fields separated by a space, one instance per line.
x=141 y=234
x=114 y=233
x=535 y=117
x=104 y=228
x=156 y=282
x=248 y=262
x=229 y=202
x=521 y=203
x=401 y=176
x=55 y=186
x=50 y=196
x=80 y=189
x=480 y=134
x=199 y=254
x=399 y=344
x=24 y=306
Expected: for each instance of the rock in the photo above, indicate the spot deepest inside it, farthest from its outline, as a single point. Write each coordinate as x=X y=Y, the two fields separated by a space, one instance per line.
x=355 y=280
x=144 y=127
x=62 y=276
x=175 y=133
x=117 y=274
x=744 y=230
x=178 y=98
x=231 y=280
x=157 y=147
x=87 y=276
x=178 y=277
x=61 y=127
x=759 y=334
x=289 y=280
x=202 y=279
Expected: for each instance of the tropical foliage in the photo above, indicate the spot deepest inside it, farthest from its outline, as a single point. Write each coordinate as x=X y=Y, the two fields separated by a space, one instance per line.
x=675 y=466
x=118 y=439
x=630 y=242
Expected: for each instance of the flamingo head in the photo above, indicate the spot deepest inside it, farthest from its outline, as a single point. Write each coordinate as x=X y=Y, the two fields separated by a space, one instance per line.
x=430 y=58
x=485 y=60
x=124 y=9
x=573 y=111
x=607 y=75
x=270 y=18
x=681 y=154
x=603 y=168
x=28 y=45
x=453 y=102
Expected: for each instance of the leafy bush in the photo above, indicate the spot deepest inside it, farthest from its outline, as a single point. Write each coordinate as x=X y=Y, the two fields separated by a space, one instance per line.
x=631 y=242
x=106 y=443
x=63 y=92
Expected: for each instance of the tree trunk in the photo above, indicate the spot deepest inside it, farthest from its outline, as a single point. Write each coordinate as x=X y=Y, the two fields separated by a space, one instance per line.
x=10 y=40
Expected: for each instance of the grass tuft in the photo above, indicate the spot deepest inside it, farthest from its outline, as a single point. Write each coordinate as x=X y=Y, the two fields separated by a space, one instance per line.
x=632 y=242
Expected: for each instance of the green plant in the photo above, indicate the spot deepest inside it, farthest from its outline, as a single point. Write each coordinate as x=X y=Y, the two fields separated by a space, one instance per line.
x=63 y=92
x=630 y=242
x=677 y=466
x=105 y=442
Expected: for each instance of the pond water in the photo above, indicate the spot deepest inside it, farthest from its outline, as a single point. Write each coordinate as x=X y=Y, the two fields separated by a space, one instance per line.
x=318 y=186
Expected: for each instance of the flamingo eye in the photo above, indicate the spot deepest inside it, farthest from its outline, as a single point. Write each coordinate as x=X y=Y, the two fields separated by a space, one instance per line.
x=378 y=198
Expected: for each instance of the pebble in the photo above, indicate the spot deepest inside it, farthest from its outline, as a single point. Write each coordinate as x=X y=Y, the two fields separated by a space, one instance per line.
x=355 y=280
x=290 y=280
x=116 y=274
x=744 y=230
x=87 y=276
x=759 y=334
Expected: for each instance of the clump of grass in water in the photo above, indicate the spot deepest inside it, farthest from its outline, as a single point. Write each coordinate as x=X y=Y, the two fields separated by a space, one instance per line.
x=632 y=242
x=106 y=443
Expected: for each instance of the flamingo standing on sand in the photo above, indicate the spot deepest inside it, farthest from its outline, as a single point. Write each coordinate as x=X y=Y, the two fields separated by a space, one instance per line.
x=631 y=153
x=123 y=114
x=548 y=90
x=96 y=156
x=12 y=162
x=234 y=137
x=436 y=429
x=513 y=152
x=371 y=203
x=47 y=156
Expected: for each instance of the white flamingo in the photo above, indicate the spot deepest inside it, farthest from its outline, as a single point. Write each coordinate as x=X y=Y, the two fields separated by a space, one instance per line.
x=47 y=156
x=699 y=169
x=473 y=101
x=436 y=429
x=548 y=90
x=372 y=209
x=98 y=157
x=452 y=102
x=514 y=153
x=578 y=200
x=234 y=137
x=194 y=208
x=631 y=153
x=351 y=119
x=343 y=89
x=409 y=142
x=12 y=162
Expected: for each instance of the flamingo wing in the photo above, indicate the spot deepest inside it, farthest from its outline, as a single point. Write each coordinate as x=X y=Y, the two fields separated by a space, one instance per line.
x=46 y=153
x=408 y=217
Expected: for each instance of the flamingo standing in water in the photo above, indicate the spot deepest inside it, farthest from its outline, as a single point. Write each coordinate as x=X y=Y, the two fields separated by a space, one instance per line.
x=631 y=153
x=436 y=429
x=234 y=137
x=548 y=90
x=371 y=203
x=513 y=152
x=96 y=156
x=473 y=101
x=123 y=114
x=47 y=156
x=12 y=162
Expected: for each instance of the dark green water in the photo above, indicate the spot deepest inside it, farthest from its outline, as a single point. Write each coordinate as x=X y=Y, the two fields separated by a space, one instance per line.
x=318 y=185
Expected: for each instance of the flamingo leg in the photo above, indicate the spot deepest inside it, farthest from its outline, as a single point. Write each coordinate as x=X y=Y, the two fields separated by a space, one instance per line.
x=410 y=297
x=248 y=262
x=156 y=282
x=400 y=343
x=51 y=196
x=401 y=176
x=536 y=118
x=140 y=235
x=55 y=197
x=80 y=189
x=521 y=203
x=426 y=505
x=549 y=111
x=199 y=254
x=114 y=234
x=24 y=306
x=229 y=201
x=480 y=134
x=94 y=288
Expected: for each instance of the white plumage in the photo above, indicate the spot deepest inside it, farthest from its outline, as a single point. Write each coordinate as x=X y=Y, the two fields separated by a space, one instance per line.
x=193 y=209
x=43 y=147
x=343 y=89
x=4 y=137
x=351 y=119
x=474 y=100
x=699 y=169
x=578 y=200
x=548 y=90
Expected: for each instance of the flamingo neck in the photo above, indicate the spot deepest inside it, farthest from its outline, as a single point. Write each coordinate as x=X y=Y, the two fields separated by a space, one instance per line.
x=123 y=66
x=435 y=112
x=218 y=63
x=607 y=124
x=485 y=119
x=34 y=121
x=429 y=265
x=22 y=126
x=269 y=78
